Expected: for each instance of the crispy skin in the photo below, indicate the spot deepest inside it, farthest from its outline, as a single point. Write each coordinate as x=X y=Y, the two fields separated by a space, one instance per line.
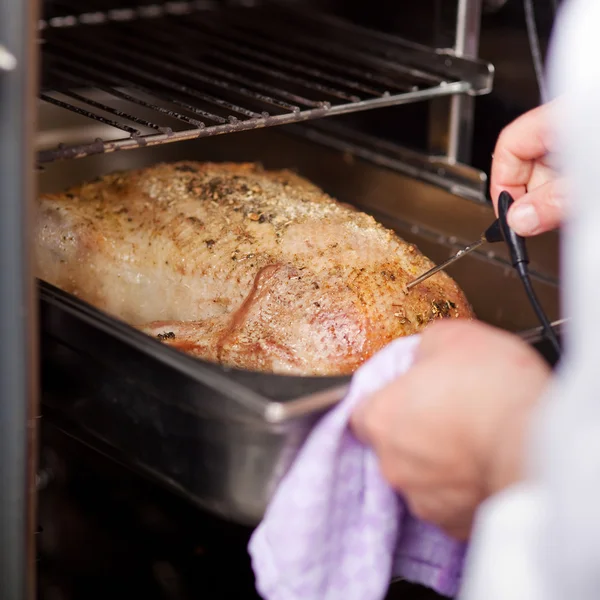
x=250 y=268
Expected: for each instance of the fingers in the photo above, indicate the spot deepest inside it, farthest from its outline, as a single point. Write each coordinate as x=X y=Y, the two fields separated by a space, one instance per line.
x=439 y=338
x=436 y=341
x=435 y=347
x=540 y=210
x=523 y=141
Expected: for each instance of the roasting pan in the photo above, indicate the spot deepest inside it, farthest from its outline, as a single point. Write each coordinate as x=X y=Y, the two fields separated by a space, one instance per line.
x=224 y=437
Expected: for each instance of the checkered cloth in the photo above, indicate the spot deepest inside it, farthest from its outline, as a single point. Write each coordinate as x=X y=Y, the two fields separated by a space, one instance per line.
x=334 y=529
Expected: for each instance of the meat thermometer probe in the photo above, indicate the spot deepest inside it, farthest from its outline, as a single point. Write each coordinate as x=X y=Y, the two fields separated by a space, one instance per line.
x=500 y=230
x=492 y=234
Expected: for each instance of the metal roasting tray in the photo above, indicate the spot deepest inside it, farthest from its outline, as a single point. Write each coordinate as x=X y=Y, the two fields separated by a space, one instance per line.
x=191 y=69
x=224 y=437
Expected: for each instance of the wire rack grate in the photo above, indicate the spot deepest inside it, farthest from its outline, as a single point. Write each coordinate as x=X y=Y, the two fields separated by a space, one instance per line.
x=153 y=74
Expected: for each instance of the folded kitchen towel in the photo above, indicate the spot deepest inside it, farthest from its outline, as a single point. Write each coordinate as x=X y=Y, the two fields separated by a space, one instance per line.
x=335 y=530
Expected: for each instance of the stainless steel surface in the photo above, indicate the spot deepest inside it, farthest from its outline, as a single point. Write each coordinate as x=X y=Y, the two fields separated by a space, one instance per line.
x=460 y=254
x=7 y=60
x=535 y=335
x=452 y=119
x=278 y=412
x=18 y=356
x=241 y=453
x=460 y=136
x=458 y=179
x=214 y=69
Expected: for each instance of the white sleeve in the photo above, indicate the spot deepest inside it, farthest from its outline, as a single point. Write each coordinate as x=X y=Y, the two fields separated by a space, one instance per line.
x=541 y=540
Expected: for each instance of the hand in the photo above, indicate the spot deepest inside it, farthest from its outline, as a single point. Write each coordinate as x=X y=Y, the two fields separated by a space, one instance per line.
x=449 y=432
x=519 y=166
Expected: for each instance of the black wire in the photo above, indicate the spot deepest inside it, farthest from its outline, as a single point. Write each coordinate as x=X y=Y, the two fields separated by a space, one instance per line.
x=523 y=272
x=535 y=47
x=520 y=261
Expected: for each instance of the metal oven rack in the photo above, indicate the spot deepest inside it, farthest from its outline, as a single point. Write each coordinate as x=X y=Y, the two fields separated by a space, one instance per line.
x=195 y=69
x=451 y=118
x=215 y=69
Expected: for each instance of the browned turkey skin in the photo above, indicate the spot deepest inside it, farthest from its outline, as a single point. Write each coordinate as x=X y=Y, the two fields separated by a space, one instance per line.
x=250 y=268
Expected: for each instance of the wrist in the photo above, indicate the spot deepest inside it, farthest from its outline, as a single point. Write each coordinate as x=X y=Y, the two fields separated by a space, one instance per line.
x=507 y=449
x=506 y=422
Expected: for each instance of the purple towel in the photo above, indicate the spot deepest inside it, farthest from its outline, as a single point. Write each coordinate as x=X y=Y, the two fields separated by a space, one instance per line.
x=335 y=530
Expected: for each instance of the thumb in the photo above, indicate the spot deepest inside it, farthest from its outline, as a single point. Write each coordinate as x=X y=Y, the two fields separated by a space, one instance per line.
x=539 y=210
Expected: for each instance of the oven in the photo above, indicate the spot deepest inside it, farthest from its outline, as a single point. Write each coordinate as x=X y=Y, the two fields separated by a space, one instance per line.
x=87 y=88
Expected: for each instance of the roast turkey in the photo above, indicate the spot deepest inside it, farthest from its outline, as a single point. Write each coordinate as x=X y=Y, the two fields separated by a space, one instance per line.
x=238 y=265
